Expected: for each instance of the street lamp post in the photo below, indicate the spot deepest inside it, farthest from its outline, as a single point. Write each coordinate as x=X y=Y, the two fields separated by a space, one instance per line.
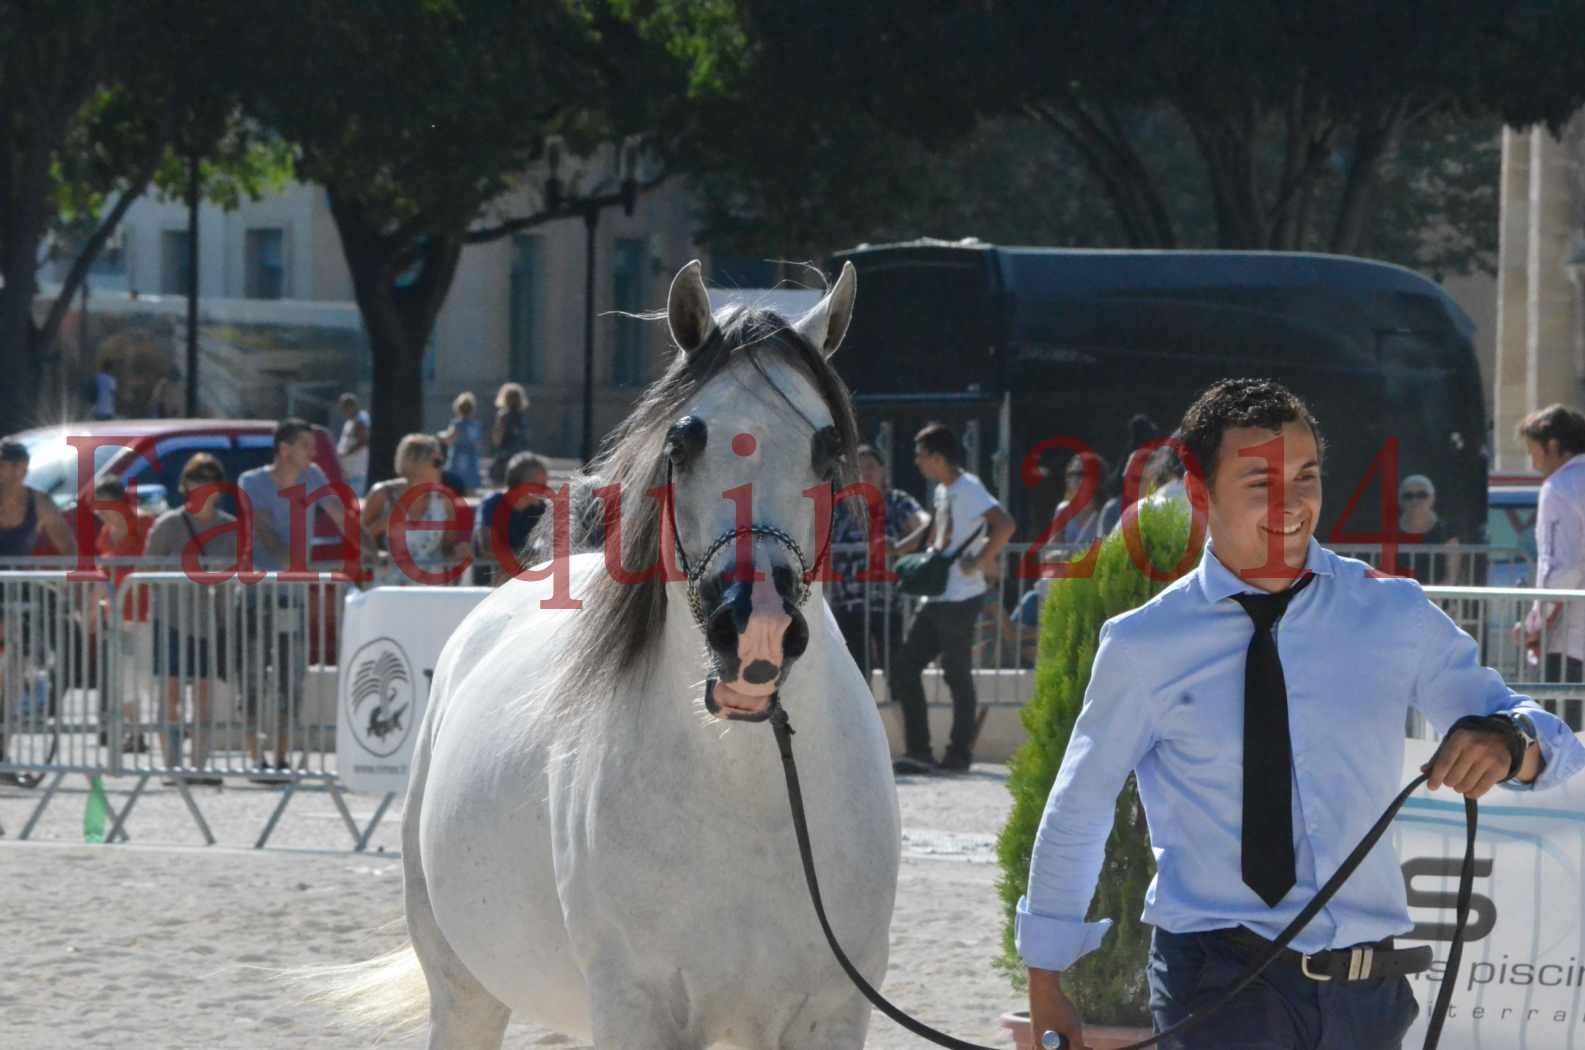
x=589 y=206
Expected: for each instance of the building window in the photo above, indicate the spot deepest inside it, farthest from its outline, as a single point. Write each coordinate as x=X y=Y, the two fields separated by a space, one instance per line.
x=629 y=364
x=527 y=289
x=175 y=274
x=266 y=264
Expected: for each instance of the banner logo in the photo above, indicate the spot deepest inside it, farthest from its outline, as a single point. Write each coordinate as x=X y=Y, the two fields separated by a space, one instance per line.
x=380 y=697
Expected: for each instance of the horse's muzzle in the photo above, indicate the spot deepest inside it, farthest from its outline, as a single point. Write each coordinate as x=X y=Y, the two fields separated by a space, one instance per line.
x=755 y=632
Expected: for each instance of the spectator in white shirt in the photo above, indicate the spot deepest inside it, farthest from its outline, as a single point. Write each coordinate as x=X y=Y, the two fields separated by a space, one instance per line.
x=944 y=626
x=1554 y=632
x=352 y=449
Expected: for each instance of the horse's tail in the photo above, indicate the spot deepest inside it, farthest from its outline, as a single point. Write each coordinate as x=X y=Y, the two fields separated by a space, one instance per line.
x=385 y=996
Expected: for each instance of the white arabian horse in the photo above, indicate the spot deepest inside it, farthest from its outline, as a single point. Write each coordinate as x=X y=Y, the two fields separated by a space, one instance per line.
x=584 y=845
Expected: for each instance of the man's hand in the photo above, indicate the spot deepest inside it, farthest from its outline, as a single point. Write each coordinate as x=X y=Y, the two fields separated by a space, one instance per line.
x=1051 y=1010
x=1529 y=641
x=1473 y=761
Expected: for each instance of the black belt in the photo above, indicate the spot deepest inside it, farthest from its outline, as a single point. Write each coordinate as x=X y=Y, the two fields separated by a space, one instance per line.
x=1362 y=962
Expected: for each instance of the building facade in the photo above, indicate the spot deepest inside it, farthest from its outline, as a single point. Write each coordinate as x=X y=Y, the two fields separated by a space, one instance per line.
x=1540 y=322
x=516 y=310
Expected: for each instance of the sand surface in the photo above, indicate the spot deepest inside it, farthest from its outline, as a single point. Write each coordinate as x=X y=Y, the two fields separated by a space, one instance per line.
x=163 y=942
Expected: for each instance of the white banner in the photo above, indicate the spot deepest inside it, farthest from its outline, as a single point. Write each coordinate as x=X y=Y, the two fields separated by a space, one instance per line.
x=390 y=640
x=1522 y=982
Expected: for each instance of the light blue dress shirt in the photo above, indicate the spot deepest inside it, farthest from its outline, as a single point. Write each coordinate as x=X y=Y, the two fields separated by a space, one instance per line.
x=1166 y=700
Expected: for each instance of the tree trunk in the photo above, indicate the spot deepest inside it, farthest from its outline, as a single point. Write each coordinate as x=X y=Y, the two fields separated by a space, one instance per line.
x=1371 y=142
x=19 y=403
x=399 y=319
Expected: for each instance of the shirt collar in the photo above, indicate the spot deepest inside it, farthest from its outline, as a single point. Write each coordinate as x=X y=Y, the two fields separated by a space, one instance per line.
x=1217 y=581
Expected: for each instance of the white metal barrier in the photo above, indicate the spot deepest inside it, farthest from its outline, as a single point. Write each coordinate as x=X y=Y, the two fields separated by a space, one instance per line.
x=164 y=675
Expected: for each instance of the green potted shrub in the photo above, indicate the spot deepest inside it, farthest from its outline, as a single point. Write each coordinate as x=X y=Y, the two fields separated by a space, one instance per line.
x=1108 y=985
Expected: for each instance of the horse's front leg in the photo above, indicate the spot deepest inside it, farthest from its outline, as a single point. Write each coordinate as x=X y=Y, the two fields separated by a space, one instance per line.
x=828 y=1027
x=625 y=1014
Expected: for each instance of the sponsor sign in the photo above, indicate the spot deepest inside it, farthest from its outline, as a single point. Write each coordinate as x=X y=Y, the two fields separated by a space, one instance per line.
x=1522 y=981
x=390 y=640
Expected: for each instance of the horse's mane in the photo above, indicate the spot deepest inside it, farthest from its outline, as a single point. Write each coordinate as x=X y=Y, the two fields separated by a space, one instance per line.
x=615 y=629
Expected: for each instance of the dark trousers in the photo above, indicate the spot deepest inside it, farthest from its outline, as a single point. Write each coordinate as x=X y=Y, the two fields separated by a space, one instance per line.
x=944 y=629
x=885 y=636
x=1564 y=669
x=1283 y=1010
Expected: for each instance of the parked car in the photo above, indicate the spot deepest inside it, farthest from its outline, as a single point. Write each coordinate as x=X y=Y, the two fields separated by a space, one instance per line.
x=1510 y=526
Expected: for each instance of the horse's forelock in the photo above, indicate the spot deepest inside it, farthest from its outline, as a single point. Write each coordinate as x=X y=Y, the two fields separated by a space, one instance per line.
x=617 y=624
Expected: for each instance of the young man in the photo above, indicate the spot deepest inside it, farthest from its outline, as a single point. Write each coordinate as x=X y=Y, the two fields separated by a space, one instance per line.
x=1555 y=437
x=1260 y=701
x=276 y=625
x=502 y=527
x=26 y=512
x=352 y=448
x=945 y=623
x=870 y=615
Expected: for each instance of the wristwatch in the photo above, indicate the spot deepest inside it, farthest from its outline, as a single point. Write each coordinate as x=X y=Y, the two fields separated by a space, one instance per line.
x=1525 y=727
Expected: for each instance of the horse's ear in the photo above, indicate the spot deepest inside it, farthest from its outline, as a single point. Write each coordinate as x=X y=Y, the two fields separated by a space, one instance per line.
x=827 y=321
x=688 y=309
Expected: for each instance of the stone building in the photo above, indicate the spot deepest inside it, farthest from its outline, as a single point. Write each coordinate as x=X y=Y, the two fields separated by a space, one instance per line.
x=1540 y=323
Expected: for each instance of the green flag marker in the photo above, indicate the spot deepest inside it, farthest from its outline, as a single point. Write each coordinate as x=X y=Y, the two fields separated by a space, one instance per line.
x=95 y=811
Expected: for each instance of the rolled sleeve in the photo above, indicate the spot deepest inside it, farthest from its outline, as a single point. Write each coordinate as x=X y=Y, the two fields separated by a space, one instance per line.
x=1453 y=683
x=1049 y=943
x=1114 y=729
x=1562 y=753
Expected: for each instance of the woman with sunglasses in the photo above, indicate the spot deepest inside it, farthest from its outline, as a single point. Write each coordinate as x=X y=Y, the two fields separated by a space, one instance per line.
x=193 y=536
x=1419 y=525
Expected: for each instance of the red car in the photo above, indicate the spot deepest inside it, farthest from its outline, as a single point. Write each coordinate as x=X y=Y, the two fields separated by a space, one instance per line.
x=147 y=455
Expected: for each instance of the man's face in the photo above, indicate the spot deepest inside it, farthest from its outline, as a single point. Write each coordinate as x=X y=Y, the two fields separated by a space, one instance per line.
x=11 y=474
x=349 y=409
x=298 y=453
x=524 y=500
x=871 y=472
x=931 y=464
x=1545 y=459
x=1265 y=502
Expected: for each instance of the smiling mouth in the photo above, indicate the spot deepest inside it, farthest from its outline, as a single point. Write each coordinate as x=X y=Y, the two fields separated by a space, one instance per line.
x=1296 y=529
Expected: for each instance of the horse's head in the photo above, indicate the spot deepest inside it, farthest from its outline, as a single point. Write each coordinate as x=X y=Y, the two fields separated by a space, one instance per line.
x=754 y=458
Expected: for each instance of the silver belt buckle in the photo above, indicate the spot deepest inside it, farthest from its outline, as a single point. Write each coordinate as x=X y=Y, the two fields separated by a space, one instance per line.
x=1360 y=963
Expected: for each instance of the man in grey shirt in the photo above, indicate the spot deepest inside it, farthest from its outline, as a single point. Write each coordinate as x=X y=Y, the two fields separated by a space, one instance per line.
x=276 y=617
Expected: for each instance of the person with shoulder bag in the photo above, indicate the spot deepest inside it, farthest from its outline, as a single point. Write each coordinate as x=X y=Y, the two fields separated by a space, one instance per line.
x=950 y=577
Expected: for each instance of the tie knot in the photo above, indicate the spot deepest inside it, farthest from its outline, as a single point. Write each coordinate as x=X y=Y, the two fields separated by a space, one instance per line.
x=1267 y=609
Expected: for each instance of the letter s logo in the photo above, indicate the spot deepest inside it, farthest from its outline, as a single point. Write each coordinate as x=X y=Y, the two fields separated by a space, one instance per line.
x=1483 y=911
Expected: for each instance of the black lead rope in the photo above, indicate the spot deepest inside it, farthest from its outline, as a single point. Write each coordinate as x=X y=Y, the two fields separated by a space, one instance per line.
x=784 y=735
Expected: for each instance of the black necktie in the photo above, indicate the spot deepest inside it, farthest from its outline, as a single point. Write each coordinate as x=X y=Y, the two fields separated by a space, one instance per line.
x=1267 y=856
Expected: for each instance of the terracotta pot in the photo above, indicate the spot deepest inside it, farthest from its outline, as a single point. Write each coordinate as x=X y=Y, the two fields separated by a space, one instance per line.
x=1096 y=1036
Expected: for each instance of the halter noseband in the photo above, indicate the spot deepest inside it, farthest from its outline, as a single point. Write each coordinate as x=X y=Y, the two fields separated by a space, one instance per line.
x=696 y=573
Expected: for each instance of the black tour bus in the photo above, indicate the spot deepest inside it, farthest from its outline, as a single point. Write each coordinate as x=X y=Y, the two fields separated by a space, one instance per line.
x=1014 y=346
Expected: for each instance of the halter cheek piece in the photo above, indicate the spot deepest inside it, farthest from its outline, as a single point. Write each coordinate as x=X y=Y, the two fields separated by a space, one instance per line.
x=696 y=572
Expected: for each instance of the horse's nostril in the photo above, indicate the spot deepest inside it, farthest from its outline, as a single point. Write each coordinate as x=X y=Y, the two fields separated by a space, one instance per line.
x=796 y=639
x=760 y=671
x=721 y=632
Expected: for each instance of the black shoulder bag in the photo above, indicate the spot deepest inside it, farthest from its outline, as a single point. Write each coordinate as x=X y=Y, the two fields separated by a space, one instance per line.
x=924 y=574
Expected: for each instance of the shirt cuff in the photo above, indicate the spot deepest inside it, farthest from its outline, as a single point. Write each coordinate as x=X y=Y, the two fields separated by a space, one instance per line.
x=1047 y=943
x=1562 y=753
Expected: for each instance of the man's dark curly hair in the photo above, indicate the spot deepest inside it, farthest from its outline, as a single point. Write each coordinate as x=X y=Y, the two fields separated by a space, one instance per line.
x=1232 y=403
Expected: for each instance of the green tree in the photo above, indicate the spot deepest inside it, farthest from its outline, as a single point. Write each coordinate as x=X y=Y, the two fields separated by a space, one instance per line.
x=1290 y=114
x=1108 y=985
x=419 y=118
x=94 y=97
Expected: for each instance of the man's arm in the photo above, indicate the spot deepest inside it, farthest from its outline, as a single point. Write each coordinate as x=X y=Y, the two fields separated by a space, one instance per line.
x=1452 y=683
x=1560 y=548
x=1001 y=527
x=53 y=523
x=1114 y=730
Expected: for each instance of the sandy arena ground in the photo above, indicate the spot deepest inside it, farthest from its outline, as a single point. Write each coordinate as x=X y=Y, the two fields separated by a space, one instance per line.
x=159 y=943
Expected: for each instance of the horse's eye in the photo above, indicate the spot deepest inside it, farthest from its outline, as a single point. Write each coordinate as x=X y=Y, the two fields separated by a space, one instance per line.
x=825 y=451
x=686 y=440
